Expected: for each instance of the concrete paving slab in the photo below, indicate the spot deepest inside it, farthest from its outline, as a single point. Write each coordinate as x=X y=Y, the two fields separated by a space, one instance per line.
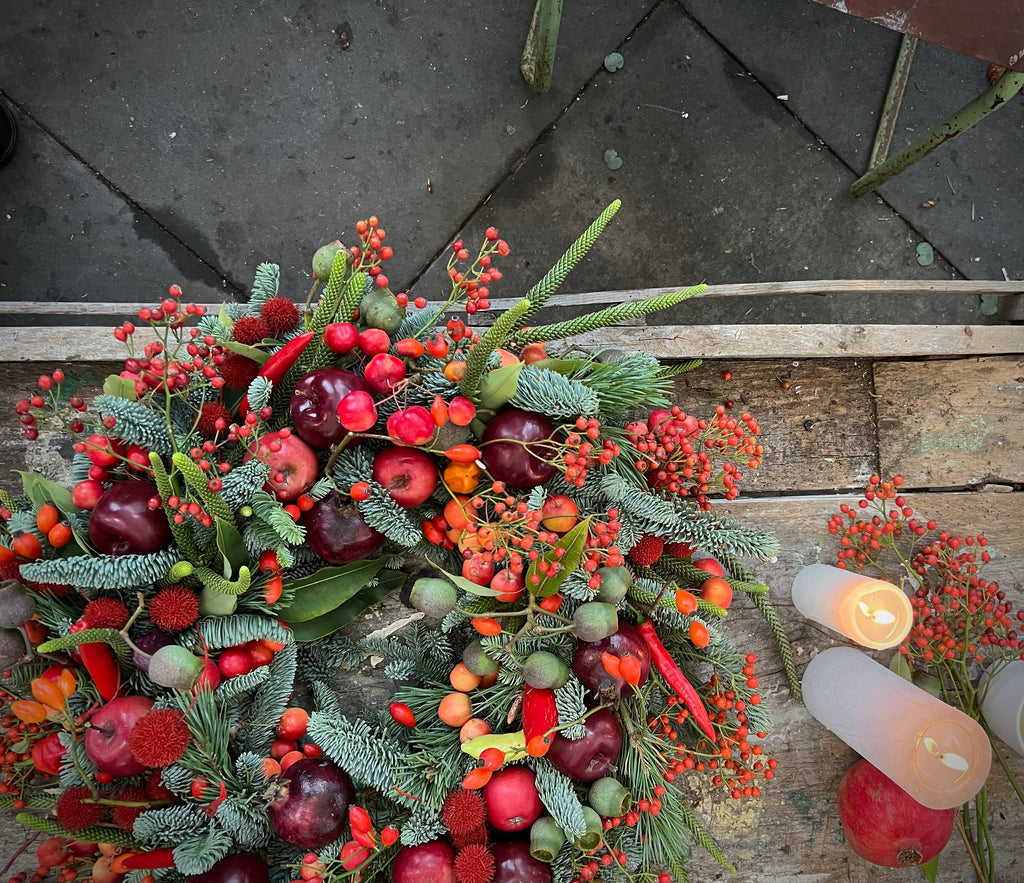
x=719 y=182
x=835 y=70
x=252 y=135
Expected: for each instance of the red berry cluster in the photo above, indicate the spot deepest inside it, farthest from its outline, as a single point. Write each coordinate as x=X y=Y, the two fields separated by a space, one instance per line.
x=472 y=282
x=582 y=452
x=371 y=251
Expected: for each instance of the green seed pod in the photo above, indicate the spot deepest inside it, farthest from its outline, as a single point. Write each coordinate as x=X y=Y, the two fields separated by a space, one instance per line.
x=379 y=309
x=609 y=797
x=591 y=839
x=595 y=621
x=174 y=667
x=12 y=647
x=477 y=661
x=435 y=597
x=615 y=582
x=324 y=259
x=546 y=838
x=16 y=604
x=545 y=671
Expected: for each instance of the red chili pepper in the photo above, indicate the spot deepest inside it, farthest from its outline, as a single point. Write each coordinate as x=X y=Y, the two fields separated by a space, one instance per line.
x=101 y=663
x=144 y=861
x=278 y=364
x=677 y=681
x=540 y=715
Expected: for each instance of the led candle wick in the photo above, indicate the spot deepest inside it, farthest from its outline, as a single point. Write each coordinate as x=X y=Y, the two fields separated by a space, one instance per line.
x=953 y=761
x=882 y=617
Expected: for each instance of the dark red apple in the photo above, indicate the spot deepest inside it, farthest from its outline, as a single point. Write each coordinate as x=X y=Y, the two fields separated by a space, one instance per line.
x=588 y=667
x=292 y=463
x=589 y=758
x=432 y=862
x=338 y=533
x=314 y=404
x=106 y=739
x=511 y=798
x=311 y=808
x=514 y=864
x=514 y=448
x=240 y=868
x=408 y=474
x=123 y=524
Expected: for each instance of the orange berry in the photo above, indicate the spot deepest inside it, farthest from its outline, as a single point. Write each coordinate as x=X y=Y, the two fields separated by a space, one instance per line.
x=476 y=779
x=46 y=517
x=699 y=634
x=686 y=602
x=462 y=679
x=59 y=535
x=473 y=728
x=486 y=626
x=290 y=758
x=271 y=767
x=455 y=709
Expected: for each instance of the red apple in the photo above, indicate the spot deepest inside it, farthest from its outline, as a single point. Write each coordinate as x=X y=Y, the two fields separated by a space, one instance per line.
x=292 y=463
x=560 y=514
x=407 y=474
x=709 y=565
x=511 y=798
x=432 y=862
x=509 y=584
x=314 y=404
x=106 y=739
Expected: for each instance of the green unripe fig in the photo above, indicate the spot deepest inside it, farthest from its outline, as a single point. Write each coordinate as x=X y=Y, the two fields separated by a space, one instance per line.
x=379 y=309
x=545 y=671
x=213 y=603
x=595 y=621
x=615 y=582
x=609 y=797
x=435 y=597
x=594 y=834
x=175 y=667
x=324 y=259
x=546 y=838
x=478 y=662
x=16 y=604
x=12 y=647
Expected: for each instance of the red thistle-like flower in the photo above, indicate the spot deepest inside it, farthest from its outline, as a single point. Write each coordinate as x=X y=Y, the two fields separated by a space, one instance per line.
x=474 y=864
x=156 y=789
x=647 y=551
x=238 y=371
x=159 y=738
x=280 y=314
x=679 y=550
x=56 y=590
x=125 y=816
x=209 y=414
x=75 y=815
x=463 y=811
x=250 y=330
x=174 y=608
x=476 y=836
x=106 y=613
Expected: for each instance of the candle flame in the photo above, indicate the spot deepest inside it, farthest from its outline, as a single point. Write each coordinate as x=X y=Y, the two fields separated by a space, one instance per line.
x=883 y=617
x=953 y=761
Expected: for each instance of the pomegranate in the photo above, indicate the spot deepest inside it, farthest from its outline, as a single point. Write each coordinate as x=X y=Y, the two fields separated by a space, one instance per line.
x=312 y=806
x=514 y=864
x=514 y=448
x=236 y=868
x=512 y=801
x=885 y=825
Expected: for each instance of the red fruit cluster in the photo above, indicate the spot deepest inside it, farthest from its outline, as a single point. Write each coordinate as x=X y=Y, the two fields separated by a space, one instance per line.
x=371 y=251
x=472 y=282
x=582 y=452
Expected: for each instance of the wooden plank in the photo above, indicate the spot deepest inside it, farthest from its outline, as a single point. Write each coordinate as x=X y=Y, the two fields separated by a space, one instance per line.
x=44 y=344
x=952 y=423
x=816 y=418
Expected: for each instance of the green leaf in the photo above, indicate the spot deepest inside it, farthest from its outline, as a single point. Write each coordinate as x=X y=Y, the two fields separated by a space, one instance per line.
x=224 y=317
x=468 y=585
x=232 y=548
x=498 y=386
x=899 y=665
x=931 y=869
x=121 y=387
x=41 y=491
x=573 y=543
x=561 y=366
x=250 y=352
x=350 y=610
x=321 y=592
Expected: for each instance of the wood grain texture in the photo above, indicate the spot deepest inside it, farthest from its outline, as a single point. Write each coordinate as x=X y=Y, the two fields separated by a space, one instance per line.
x=950 y=423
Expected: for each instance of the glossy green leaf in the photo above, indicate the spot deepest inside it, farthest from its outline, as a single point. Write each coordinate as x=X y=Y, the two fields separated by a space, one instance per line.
x=120 y=387
x=899 y=665
x=467 y=585
x=232 y=548
x=250 y=352
x=324 y=591
x=573 y=543
x=561 y=366
x=931 y=869
x=350 y=610
x=498 y=386
x=41 y=491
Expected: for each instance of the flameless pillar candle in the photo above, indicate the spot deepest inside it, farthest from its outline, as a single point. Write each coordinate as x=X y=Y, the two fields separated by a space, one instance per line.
x=934 y=752
x=1002 y=702
x=873 y=613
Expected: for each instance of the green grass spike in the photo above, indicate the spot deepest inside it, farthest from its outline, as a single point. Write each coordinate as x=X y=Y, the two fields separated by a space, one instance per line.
x=212 y=502
x=166 y=490
x=602 y=318
x=217 y=583
x=493 y=338
x=554 y=277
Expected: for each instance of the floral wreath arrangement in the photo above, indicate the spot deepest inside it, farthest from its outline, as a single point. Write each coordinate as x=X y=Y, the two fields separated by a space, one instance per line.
x=255 y=480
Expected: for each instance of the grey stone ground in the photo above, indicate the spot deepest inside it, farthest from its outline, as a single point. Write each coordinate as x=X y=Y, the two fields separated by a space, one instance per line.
x=166 y=142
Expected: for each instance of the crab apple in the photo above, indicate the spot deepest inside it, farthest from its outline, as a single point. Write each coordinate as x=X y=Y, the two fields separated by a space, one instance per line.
x=103 y=451
x=341 y=337
x=357 y=413
x=412 y=426
x=717 y=591
x=514 y=448
x=384 y=372
x=314 y=404
x=478 y=569
x=234 y=662
x=461 y=411
x=407 y=474
x=292 y=463
x=709 y=565
x=337 y=532
x=137 y=457
x=432 y=862
x=86 y=494
x=559 y=513
x=373 y=341
x=508 y=584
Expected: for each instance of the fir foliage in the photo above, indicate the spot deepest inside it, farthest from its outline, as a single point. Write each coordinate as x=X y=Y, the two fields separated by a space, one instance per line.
x=389 y=517
x=239 y=485
x=422 y=826
x=75 y=763
x=560 y=799
x=210 y=325
x=553 y=394
x=122 y=572
x=416 y=323
x=259 y=393
x=352 y=465
x=166 y=825
x=220 y=632
x=231 y=690
x=135 y=423
x=202 y=851
x=245 y=822
x=271 y=512
x=571 y=702
x=265 y=285
x=363 y=750
x=263 y=712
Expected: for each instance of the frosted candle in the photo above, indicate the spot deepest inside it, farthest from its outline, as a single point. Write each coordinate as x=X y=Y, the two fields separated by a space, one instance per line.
x=1002 y=702
x=873 y=613
x=934 y=752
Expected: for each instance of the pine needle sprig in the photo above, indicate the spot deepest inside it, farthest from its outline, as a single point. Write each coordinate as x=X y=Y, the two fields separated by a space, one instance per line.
x=95 y=834
x=122 y=572
x=494 y=337
x=677 y=368
x=135 y=423
x=553 y=394
x=271 y=512
x=601 y=318
x=548 y=285
x=622 y=385
x=265 y=285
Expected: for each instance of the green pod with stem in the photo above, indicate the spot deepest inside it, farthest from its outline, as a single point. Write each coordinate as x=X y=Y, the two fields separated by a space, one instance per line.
x=592 y=836
x=546 y=838
x=609 y=797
